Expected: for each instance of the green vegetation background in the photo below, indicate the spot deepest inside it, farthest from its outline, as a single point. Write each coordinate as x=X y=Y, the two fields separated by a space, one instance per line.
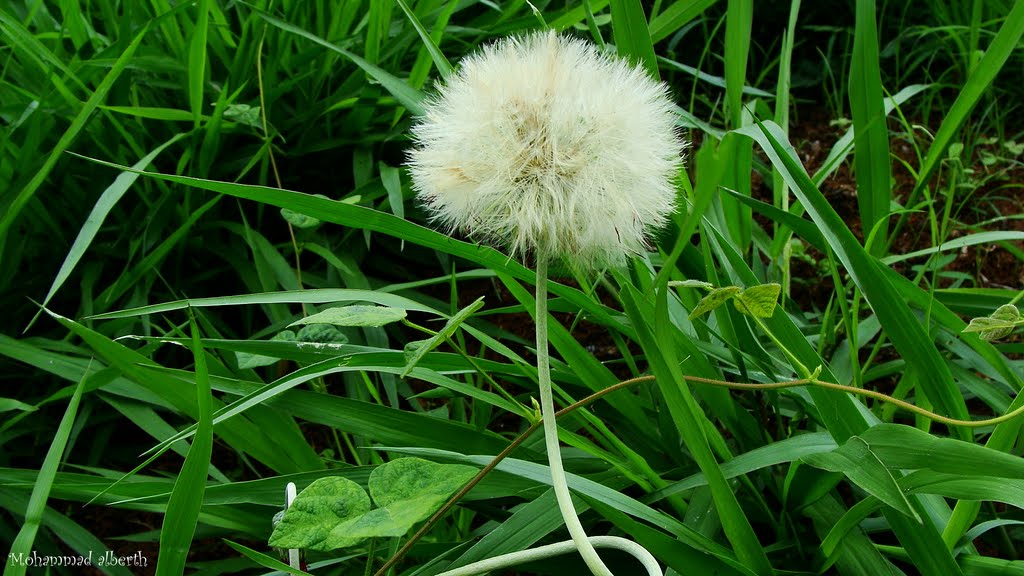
x=268 y=139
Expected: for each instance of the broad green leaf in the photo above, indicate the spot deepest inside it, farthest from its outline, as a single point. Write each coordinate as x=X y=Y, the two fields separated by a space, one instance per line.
x=335 y=512
x=716 y=298
x=411 y=479
x=758 y=300
x=356 y=315
x=985 y=488
x=863 y=467
x=320 y=516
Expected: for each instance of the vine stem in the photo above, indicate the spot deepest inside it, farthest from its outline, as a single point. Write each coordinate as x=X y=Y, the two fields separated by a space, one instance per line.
x=542 y=552
x=547 y=406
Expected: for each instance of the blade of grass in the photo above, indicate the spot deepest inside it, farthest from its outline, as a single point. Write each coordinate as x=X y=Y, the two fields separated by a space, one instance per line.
x=440 y=62
x=197 y=62
x=632 y=38
x=871 y=151
x=676 y=16
x=187 y=495
x=363 y=218
x=43 y=484
x=99 y=212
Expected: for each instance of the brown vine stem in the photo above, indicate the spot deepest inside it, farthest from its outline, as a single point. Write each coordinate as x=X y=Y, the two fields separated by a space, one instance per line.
x=733 y=385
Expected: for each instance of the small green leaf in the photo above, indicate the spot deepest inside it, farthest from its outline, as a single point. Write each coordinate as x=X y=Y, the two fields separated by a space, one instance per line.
x=716 y=298
x=758 y=300
x=300 y=220
x=247 y=361
x=997 y=325
x=691 y=284
x=244 y=114
x=319 y=517
x=355 y=316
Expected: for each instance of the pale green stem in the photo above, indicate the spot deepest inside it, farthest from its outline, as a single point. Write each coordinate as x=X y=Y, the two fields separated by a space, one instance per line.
x=542 y=552
x=547 y=406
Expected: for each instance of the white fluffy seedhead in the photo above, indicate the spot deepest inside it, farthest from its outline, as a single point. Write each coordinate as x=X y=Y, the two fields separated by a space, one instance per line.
x=547 y=146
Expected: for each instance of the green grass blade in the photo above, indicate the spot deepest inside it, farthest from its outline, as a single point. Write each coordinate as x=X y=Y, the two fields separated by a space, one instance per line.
x=187 y=496
x=440 y=62
x=676 y=16
x=739 y=19
x=871 y=151
x=13 y=209
x=43 y=484
x=99 y=213
x=197 y=62
x=632 y=38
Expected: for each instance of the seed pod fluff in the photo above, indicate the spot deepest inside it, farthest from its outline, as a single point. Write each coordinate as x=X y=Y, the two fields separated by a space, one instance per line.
x=546 y=146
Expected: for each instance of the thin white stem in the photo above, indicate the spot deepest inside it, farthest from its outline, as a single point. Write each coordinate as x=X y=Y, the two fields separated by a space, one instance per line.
x=542 y=552
x=547 y=406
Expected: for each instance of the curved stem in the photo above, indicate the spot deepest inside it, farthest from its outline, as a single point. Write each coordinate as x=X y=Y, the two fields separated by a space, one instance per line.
x=542 y=552
x=547 y=406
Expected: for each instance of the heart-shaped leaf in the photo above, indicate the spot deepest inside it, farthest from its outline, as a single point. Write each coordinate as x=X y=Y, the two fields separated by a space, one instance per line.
x=334 y=512
x=758 y=300
x=716 y=298
x=321 y=514
x=997 y=325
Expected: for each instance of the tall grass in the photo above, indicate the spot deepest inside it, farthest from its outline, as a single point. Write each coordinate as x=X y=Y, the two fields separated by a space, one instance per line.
x=183 y=181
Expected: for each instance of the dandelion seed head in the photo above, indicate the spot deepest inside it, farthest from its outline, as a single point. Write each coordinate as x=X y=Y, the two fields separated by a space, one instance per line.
x=546 y=146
